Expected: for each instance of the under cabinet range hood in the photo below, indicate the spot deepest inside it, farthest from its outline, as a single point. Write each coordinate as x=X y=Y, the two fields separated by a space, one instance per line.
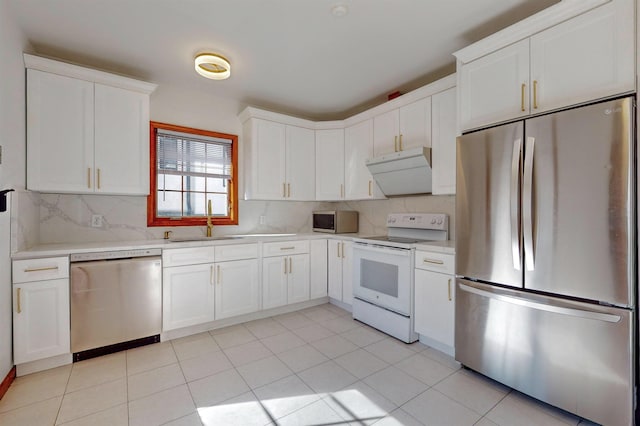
x=403 y=173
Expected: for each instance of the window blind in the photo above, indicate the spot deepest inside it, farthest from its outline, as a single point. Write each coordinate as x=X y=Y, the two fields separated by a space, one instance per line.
x=186 y=154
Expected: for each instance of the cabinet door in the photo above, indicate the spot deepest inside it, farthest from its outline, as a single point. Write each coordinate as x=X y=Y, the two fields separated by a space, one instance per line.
x=237 y=288
x=274 y=281
x=358 y=148
x=334 y=260
x=585 y=58
x=298 y=278
x=435 y=306
x=385 y=133
x=415 y=125
x=121 y=141
x=318 y=268
x=59 y=133
x=443 y=150
x=187 y=296
x=347 y=272
x=301 y=165
x=495 y=87
x=41 y=326
x=268 y=164
x=330 y=164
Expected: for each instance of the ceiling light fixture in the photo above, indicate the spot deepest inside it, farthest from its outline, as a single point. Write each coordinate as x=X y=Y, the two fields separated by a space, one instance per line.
x=339 y=10
x=213 y=66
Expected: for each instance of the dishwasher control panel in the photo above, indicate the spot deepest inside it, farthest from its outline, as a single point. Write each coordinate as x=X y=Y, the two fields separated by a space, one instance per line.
x=116 y=254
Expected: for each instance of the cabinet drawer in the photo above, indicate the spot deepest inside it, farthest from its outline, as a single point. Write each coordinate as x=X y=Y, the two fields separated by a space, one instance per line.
x=285 y=248
x=437 y=262
x=236 y=252
x=49 y=268
x=188 y=256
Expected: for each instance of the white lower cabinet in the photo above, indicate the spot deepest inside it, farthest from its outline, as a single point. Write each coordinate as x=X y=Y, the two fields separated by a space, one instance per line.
x=285 y=279
x=340 y=280
x=435 y=300
x=187 y=296
x=41 y=326
x=237 y=288
x=318 y=269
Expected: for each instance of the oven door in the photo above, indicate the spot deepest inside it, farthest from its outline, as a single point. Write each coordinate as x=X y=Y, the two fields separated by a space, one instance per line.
x=382 y=276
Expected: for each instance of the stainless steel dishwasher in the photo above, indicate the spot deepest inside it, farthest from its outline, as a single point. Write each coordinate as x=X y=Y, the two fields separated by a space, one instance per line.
x=116 y=301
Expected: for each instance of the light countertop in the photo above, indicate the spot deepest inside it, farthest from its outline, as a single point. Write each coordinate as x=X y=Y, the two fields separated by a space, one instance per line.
x=65 y=249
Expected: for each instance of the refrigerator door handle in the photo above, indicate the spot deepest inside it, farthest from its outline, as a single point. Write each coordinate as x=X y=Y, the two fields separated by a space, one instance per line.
x=580 y=313
x=527 y=204
x=515 y=204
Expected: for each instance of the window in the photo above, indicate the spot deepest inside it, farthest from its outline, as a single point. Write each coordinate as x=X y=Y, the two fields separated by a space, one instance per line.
x=189 y=169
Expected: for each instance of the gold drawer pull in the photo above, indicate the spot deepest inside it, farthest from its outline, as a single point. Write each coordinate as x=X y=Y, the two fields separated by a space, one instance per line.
x=18 y=297
x=370 y=188
x=522 y=96
x=535 y=94
x=449 y=288
x=98 y=179
x=400 y=143
x=435 y=262
x=89 y=177
x=288 y=190
x=284 y=190
x=287 y=248
x=48 y=268
x=290 y=266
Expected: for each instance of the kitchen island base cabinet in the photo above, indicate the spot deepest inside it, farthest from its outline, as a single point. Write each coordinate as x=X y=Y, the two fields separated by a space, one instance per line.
x=40 y=320
x=188 y=296
x=435 y=301
x=237 y=289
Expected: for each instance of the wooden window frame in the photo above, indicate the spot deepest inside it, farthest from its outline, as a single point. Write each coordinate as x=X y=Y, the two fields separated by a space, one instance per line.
x=152 y=218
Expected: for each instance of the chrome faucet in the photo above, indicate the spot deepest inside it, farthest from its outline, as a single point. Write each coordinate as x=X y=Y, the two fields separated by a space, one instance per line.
x=209 y=224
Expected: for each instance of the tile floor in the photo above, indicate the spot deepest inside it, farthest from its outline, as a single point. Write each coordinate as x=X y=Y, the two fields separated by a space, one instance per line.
x=311 y=367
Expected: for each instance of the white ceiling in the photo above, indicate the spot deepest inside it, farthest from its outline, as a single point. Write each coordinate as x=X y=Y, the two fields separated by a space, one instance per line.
x=291 y=56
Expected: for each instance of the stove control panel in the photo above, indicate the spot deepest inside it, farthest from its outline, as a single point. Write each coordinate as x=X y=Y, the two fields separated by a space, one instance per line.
x=438 y=221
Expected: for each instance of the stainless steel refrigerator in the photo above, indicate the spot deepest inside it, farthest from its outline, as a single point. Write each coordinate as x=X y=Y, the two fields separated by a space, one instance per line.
x=546 y=258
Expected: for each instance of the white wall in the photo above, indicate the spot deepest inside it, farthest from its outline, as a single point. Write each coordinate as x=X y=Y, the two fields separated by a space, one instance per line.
x=12 y=169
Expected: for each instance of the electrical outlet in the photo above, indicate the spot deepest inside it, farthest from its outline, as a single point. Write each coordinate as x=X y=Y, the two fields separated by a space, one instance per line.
x=263 y=219
x=96 y=220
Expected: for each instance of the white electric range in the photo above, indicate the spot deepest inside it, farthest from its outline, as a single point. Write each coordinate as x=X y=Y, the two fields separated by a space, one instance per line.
x=383 y=272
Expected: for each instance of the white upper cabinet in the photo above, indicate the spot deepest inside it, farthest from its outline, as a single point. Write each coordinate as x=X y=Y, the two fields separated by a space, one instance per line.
x=406 y=127
x=121 y=123
x=588 y=55
x=443 y=150
x=358 y=147
x=87 y=131
x=279 y=161
x=301 y=177
x=495 y=87
x=265 y=160
x=330 y=164
x=386 y=129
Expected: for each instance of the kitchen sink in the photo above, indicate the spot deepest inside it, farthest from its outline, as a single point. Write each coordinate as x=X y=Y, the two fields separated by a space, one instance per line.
x=218 y=238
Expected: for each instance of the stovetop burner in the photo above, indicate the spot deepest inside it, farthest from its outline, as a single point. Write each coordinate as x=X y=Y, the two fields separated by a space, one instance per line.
x=401 y=240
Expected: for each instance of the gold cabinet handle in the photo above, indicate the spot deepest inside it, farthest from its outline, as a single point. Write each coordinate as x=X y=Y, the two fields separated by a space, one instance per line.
x=48 y=268
x=522 y=88
x=211 y=279
x=285 y=265
x=449 y=288
x=98 y=179
x=343 y=250
x=395 y=144
x=370 y=182
x=287 y=248
x=288 y=190
x=290 y=266
x=18 y=300
x=400 y=143
x=89 y=177
x=436 y=262
x=218 y=273
x=284 y=190
x=535 y=94
x=338 y=249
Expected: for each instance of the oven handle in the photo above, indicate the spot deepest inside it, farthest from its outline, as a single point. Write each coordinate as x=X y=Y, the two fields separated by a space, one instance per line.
x=382 y=249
